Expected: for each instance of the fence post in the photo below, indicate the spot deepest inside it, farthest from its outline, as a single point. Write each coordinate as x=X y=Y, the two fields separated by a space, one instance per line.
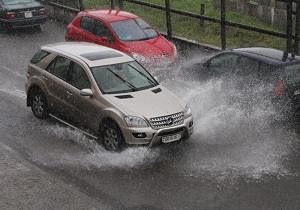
x=289 y=26
x=168 y=19
x=297 y=28
x=81 y=7
x=112 y=4
x=202 y=11
x=223 y=25
x=121 y=5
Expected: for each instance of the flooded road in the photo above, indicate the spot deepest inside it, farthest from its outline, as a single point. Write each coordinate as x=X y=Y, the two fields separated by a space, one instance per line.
x=236 y=158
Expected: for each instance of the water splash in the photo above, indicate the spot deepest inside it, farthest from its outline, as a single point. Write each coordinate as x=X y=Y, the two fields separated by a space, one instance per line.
x=93 y=155
x=233 y=134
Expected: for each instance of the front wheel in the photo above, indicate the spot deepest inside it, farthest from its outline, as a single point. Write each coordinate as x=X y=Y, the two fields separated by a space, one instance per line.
x=111 y=136
x=39 y=104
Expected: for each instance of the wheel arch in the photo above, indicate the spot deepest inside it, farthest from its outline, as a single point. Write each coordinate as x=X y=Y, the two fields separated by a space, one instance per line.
x=107 y=120
x=34 y=88
x=102 y=126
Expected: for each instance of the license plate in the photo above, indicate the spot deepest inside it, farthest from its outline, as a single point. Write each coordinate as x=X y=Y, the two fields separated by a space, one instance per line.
x=28 y=14
x=167 y=139
x=297 y=92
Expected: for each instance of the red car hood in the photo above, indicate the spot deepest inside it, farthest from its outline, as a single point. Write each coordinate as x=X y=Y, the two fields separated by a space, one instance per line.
x=151 y=47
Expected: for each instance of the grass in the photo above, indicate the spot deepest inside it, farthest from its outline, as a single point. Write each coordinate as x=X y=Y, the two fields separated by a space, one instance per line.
x=191 y=29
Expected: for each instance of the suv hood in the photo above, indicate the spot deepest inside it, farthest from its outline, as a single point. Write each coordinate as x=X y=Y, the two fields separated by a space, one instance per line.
x=153 y=102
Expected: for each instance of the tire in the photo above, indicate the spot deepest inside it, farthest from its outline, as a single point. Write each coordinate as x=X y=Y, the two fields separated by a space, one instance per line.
x=111 y=136
x=39 y=105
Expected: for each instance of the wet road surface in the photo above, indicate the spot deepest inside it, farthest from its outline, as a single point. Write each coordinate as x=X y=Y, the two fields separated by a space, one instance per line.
x=235 y=159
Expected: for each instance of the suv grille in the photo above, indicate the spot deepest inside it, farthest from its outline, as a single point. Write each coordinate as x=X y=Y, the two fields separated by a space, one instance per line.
x=167 y=121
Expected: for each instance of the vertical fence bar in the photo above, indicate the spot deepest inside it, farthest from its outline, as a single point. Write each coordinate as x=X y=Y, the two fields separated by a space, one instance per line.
x=112 y=4
x=202 y=12
x=121 y=5
x=289 y=26
x=81 y=6
x=297 y=28
x=223 y=25
x=168 y=19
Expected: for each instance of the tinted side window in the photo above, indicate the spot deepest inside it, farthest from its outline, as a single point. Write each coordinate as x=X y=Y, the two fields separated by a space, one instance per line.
x=224 y=63
x=292 y=74
x=247 y=66
x=87 y=23
x=101 y=30
x=38 y=56
x=78 y=77
x=267 y=72
x=59 y=67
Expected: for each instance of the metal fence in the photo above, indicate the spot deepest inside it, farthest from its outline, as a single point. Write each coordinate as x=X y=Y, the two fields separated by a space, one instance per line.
x=292 y=30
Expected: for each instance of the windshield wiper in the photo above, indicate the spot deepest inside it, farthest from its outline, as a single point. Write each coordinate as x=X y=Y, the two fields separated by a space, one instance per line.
x=141 y=73
x=146 y=38
x=125 y=81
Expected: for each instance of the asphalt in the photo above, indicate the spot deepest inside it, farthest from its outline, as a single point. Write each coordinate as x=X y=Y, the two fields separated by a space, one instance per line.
x=25 y=186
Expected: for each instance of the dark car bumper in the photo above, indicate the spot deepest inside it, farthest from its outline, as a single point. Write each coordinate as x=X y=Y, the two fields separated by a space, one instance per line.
x=22 y=22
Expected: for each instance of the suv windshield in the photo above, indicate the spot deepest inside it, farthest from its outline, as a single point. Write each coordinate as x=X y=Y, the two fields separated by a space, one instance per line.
x=122 y=78
x=292 y=73
x=133 y=30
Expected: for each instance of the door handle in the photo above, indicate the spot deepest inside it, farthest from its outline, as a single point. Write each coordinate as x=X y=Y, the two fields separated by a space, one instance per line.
x=69 y=93
x=45 y=78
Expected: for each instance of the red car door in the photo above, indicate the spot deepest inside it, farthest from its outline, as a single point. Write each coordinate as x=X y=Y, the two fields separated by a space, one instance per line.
x=95 y=31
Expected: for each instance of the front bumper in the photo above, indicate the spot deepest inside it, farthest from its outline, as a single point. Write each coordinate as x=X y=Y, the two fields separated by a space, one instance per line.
x=150 y=136
x=24 y=22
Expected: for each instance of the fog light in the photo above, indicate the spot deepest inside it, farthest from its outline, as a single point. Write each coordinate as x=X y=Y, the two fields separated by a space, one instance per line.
x=191 y=124
x=139 y=135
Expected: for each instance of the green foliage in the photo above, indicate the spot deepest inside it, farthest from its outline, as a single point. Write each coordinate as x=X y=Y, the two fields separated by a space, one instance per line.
x=190 y=28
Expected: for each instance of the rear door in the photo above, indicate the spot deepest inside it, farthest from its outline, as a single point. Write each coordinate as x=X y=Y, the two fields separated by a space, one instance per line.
x=85 y=30
x=65 y=79
x=55 y=77
x=95 y=31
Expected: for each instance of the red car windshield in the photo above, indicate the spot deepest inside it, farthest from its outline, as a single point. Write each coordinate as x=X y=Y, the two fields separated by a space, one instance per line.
x=133 y=30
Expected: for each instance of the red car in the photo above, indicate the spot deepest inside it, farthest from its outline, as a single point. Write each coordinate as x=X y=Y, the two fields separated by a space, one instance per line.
x=122 y=31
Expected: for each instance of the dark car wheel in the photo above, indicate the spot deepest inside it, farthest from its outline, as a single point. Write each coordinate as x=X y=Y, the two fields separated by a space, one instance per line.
x=39 y=104
x=111 y=136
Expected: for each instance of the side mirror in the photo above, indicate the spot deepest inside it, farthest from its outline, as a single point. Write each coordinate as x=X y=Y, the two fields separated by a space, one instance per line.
x=105 y=39
x=86 y=92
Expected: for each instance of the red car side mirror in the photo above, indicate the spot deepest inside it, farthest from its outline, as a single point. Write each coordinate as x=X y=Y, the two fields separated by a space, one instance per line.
x=105 y=39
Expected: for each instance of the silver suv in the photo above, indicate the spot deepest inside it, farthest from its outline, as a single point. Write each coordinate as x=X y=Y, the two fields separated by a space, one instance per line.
x=106 y=94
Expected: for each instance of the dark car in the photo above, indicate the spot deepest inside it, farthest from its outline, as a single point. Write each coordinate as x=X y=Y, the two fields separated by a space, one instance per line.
x=21 y=13
x=278 y=70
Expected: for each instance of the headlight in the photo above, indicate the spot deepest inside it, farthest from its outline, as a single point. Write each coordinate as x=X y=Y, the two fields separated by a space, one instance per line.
x=139 y=57
x=133 y=121
x=187 y=111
